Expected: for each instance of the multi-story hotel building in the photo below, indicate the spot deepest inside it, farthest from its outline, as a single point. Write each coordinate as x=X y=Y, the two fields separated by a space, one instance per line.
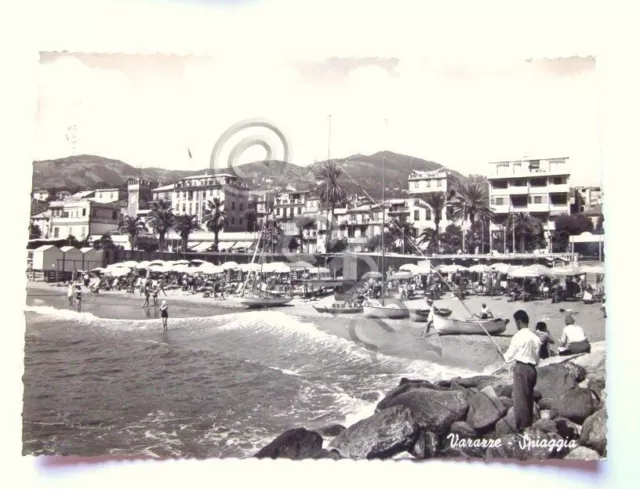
x=423 y=183
x=191 y=194
x=539 y=187
x=107 y=195
x=80 y=219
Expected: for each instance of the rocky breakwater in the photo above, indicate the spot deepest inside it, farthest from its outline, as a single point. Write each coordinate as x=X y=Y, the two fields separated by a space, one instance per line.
x=470 y=418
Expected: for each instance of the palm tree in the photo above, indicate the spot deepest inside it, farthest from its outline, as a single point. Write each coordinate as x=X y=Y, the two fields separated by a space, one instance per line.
x=471 y=201
x=271 y=236
x=402 y=231
x=304 y=223
x=215 y=218
x=184 y=225
x=330 y=193
x=161 y=220
x=437 y=201
x=430 y=236
x=104 y=243
x=132 y=226
x=527 y=228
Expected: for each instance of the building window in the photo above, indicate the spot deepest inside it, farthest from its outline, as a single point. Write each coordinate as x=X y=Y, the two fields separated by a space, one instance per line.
x=240 y=221
x=233 y=220
x=55 y=232
x=204 y=194
x=499 y=201
x=84 y=212
x=416 y=215
x=439 y=183
x=197 y=207
x=241 y=207
x=114 y=215
x=427 y=214
x=428 y=183
x=184 y=207
x=299 y=210
x=278 y=211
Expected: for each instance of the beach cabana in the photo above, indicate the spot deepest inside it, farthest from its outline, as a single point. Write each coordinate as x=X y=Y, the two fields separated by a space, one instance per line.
x=71 y=259
x=91 y=258
x=408 y=267
x=531 y=272
x=480 y=268
x=229 y=265
x=47 y=258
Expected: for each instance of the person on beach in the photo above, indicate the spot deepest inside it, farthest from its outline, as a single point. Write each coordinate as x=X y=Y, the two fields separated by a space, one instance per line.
x=155 y=297
x=485 y=313
x=70 y=293
x=573 y=339
x=164 y=314
x=79 y=296
x=524 y=350
x=147 y=294
x=545 y=338
x=429 y=323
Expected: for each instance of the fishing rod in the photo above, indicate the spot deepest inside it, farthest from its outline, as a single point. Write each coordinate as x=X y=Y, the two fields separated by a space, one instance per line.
x=413 y=243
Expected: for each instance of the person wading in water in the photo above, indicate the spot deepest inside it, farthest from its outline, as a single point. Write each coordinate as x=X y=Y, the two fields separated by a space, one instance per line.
x=164 y=314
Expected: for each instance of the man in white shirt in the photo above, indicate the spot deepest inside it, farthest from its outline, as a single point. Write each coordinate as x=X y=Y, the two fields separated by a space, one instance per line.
x=573 y=339
x=485 y=313
x=524 y=350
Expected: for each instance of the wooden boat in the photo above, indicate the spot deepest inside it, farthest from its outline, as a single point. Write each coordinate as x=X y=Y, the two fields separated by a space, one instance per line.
x=450 y=326
x=338 y=309
x=421 y=315
x=390 y=310
x=256 y=302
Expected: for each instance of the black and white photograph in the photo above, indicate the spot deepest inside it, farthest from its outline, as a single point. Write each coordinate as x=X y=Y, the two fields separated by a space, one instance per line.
x=341 y=258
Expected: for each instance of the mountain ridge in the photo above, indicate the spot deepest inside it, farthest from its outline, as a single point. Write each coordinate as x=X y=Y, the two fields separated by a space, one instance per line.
x=361 y=173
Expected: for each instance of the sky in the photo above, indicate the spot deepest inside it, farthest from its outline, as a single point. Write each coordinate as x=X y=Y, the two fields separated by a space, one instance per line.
x=150 y=110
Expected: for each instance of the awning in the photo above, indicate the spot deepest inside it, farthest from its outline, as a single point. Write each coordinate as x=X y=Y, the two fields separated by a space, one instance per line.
x=200 y=247
x=227 y=245
x=243 y=244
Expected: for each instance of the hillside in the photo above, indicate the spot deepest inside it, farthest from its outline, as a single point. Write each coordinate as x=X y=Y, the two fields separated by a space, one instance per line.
x=361 y=172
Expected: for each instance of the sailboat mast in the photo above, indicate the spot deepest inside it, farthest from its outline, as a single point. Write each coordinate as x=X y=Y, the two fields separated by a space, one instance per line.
x=382 y=235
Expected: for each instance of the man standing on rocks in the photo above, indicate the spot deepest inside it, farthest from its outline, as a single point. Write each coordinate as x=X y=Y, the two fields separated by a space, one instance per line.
x=525 y=350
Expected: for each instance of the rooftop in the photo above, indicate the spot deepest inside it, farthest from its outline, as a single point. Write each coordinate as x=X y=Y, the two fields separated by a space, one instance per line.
x=164 y=188
x=522 y=159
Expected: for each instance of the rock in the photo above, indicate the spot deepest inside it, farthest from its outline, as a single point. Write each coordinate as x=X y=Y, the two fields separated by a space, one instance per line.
x=295 y=444
x=433 y=410
x=506 y=401
x=554 y=380
x=407 y=385
x=426 y=446
x=545 y=413
x=503 y=387
x=582 y=453
x=485 y=409
x=386 y=433
x=332 y=454
x=507 y=425
x=534 y=444
x=594 y=432
x=578 y=371
x=331 y=430
x=597 y=382
x=545 y=424
x=478 y=381
x=463 y=429
x=576 y=404
x=567 y=429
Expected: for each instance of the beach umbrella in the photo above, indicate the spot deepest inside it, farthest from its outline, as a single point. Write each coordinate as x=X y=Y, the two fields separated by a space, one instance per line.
x=300 y=265
x=130 y=264
x=156 y=262
x=451 y=268
x=230 y=265
x=276 y=267
x=423 y=270
x=98 y=269
x=319 y=271
x=250 y=267
x=480 y=268
x=210 y=268
x=424 y=263
x=119 y=271
x=598 y=269
x=566 y=271
x=181 y=262
x=180 y=268
x=197 y=262
x=409 y=267
x=372 y=274
x=401 y=276
x=143 y=264
x=531 y=271
x=504 y=268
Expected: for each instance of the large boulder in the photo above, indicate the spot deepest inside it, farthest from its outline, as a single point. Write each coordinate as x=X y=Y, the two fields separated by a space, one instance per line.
x=576 y=405
x=562 y=426
x=407 y=385
x=383 y=435
x=434 y=410
x=582 y=453
x=502 y=387
x=534 y=444
x=463 y=429
x=597 y=382
x=594 y=432
x=295 y=444
x=506 y=401
x=478 y=381
x=485 y=409
x=507 y=425
x=425 y=446
x=578 y=372
x=331 y=430
x=554 y=380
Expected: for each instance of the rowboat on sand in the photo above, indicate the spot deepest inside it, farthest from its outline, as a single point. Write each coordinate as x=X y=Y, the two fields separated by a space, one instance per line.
x=421 y=315
x=338 y=309
x=392 y=309
x=450 y=326
x=256 y=302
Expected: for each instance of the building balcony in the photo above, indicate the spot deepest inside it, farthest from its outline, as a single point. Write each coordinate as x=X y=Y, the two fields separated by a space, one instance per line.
x=559 y=207
x=538 y=207
x=499 y=191
x=521 y=190
x=520 y=208
x=558 y=189
x=501 y=209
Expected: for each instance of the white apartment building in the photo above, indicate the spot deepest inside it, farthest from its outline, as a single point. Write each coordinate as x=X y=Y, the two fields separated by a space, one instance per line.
x=79 y=218
x=588 y=197
x=539 y=187
x=191 y=194
x=426 y=182
x=107 y=195
x=422 y=182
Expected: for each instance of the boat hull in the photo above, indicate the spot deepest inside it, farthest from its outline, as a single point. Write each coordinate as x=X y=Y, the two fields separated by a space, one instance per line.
x=258 y=302
x=421 y=315
x=338 y=310
x=449 y=326
x=382 y=312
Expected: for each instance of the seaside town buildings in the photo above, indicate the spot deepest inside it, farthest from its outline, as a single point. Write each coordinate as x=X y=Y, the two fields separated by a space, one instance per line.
x=538 y=187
